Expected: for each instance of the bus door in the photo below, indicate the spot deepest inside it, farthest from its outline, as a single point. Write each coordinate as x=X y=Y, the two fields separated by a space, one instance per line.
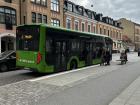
x=60 y=55
x=88 y=59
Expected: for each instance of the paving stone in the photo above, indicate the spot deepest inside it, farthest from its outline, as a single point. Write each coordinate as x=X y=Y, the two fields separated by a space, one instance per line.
x=25 y=93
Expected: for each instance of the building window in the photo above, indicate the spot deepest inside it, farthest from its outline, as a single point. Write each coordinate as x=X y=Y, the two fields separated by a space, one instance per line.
x=89 y=28
x=41 y=2
x=76 y=25
x=70 y=7
x=39 y=18
x=33 y=17
x=9 y=1
x=24 y=20
x=44 y=2
x=100 y=30
x=38 y=1
x=44 y=19
x=68 y=23
x=83 y=27
x=55 y=5
x=94 y=29
x=111 y=34
x=7 y=15
x=2 y=15
x=80 y=10
x=120 y=36
x=108 y=32
x=117 y=35
x=33 y=1
x=104 y=31
x=55 y=22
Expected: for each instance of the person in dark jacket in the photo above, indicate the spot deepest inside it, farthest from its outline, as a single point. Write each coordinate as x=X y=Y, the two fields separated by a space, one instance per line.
x=108 y=57
x=102 y=57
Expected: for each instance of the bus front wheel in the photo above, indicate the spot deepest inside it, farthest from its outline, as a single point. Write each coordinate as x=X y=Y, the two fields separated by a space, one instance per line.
x=73 y=65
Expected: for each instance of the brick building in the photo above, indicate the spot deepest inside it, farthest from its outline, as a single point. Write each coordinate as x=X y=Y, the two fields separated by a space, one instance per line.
x=108 y=26
x=18 y=12
x=131 y=30
x=78 y=18
x=9 y=13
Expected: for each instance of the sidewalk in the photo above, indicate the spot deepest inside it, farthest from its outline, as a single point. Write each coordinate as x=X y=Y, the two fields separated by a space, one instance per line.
x=29 y=92
x=130 y=96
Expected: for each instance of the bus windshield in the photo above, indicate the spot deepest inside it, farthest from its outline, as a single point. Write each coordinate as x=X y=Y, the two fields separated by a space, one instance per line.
x=28 y=38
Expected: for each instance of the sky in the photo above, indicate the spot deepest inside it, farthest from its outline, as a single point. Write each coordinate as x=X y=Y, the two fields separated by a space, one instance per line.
x=115 y=9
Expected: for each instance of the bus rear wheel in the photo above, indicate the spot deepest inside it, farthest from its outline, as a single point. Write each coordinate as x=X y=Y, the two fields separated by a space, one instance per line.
x=73 y=65
x=3 y=67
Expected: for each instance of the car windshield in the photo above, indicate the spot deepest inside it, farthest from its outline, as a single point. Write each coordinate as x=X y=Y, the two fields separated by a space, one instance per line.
x=5 y=53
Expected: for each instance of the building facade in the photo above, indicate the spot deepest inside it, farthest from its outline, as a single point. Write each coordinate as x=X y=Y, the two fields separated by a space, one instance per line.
x=137 y=36
x=131 y=33
x=108 y=26
x=42 y=11
x=78 y=18
x=9 y=13
x=18 y=12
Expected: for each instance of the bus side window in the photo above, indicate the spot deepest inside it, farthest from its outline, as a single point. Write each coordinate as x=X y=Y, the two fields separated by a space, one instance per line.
x=49 y=45
x=75 y=45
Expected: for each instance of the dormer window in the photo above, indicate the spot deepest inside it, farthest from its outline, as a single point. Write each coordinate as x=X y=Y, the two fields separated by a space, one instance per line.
x=107 y=20
x=81 y=10
x=100 y=17
x=89 y=14
x=70 y=7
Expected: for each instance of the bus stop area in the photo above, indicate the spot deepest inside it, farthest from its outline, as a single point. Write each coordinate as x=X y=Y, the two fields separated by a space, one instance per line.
x=34 y=91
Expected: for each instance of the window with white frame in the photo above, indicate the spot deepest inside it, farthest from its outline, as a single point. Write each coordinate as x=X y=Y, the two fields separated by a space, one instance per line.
x=44 y=18
x=76 y=25
x=44 y=2
x=55 y=5
x=55 y=22
x=33 y=17
x=39 y=18
x=40 y=2
x=70 y=7
x=68 y=23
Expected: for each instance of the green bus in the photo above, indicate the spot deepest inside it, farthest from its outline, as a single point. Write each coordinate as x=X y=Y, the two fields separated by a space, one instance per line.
x=47 y=49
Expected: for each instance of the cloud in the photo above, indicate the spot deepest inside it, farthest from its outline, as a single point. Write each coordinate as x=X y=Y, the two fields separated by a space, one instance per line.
x=114 y=8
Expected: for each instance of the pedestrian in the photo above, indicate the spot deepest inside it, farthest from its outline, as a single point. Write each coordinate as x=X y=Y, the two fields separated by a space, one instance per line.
x=108 y=57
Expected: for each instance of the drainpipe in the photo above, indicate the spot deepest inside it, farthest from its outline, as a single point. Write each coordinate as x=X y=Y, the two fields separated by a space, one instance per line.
x=0 y=44
x=20 y=10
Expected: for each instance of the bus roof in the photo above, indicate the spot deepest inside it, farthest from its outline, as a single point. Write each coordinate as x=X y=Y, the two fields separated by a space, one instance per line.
x=60 y=28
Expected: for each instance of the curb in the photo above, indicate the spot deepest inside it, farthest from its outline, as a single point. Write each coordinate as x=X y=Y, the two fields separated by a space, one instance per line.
x=125 y=97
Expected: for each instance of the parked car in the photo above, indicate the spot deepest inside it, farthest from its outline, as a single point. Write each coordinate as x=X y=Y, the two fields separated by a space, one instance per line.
x=139 y=52
x=7 y=61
